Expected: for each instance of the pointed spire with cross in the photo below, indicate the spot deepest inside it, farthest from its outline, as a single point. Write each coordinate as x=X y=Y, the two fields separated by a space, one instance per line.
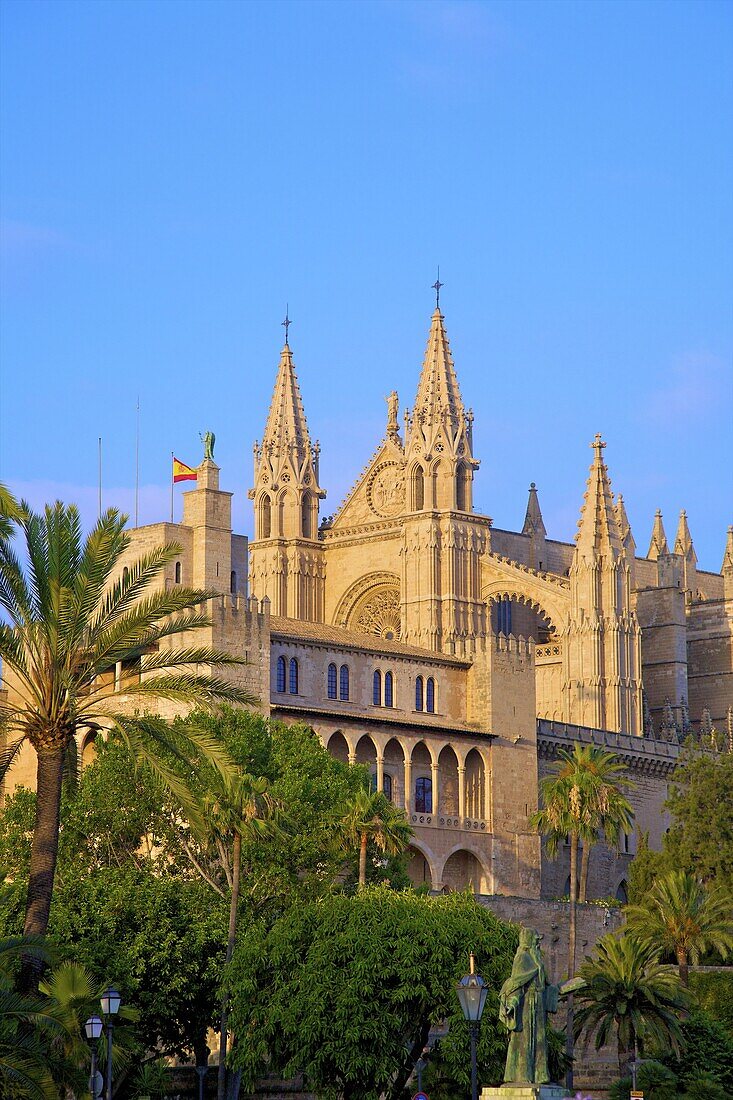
x=286 y=324
x=436 y=287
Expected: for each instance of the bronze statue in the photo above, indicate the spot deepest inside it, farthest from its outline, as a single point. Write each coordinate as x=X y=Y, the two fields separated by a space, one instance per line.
x=525 y=999
x=208 y=439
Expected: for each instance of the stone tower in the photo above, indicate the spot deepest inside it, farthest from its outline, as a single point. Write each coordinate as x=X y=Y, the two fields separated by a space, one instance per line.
x=286 y=557
x=534 y=528
x=603 y=666
x=443 y=543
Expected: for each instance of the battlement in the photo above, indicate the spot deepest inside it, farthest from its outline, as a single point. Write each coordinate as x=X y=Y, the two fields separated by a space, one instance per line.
x=510 y=643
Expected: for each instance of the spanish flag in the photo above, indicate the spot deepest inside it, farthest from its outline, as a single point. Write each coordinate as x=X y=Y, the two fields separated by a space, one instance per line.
x=182 y=472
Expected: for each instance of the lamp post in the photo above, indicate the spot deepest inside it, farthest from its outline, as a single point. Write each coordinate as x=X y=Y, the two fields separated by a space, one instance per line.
x=93 y=1028
x=110 y=1001
x=472 y=992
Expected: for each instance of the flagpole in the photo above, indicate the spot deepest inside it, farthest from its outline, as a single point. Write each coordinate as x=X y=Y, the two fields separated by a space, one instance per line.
x=137 y=461
x=100 y=476
x=171 y=486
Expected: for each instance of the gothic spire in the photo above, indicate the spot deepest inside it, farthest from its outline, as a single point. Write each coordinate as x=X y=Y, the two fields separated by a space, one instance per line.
x=683 y=542
x=438 y=394
x=533 y=522
x=597 y=526
x=286 y=429
x=658 y=546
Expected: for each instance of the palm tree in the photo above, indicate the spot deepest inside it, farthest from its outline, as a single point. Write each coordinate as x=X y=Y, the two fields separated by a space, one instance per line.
x=26 y=1026
x=680 y=916
x=238 y=807
x=9 y=511
x=371 y=816
x=610 y=809
x=75 y=616
x=582 y=793
x=628 y=991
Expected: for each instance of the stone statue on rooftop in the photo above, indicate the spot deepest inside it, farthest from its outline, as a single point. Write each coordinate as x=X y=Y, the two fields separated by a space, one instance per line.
x=208 y=439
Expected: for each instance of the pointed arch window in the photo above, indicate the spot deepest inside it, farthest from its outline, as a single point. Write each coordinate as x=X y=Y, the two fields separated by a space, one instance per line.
x=344 y=683
x=423 y=795
x=461 y=488
x=233 y=582
x=280 y=679
x=418 y=489
x=178 y=572
x=387 y=785
x=388 y=689
x=419 y=689
x=293 y=680
x=265 y=517
x=306 y=516
x=332 y=681
x=430 y=695
x=377 y=688
x=126 y=574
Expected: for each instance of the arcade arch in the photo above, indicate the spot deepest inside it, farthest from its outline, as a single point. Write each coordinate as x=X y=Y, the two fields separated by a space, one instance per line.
x=464 y=870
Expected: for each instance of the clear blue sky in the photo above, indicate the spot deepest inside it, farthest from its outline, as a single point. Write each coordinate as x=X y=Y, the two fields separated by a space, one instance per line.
x=174 y=172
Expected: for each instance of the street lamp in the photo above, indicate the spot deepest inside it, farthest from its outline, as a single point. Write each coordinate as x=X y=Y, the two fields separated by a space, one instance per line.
x=93 y=1028
x=472 y=992
x=110 y=1001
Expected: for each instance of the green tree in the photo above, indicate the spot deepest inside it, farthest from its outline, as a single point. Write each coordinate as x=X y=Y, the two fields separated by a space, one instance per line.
x=582 y=794
x=700 y=838
x=706 y=1046
x=74 y=616
x=645 y=868
x=681 y=917
x=345 y=989
x=629 y=993
x=370 y=816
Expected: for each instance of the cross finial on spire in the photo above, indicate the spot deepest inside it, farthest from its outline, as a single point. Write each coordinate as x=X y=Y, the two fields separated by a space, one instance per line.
x=286 y=324
x=598 y=444
x=436 y=287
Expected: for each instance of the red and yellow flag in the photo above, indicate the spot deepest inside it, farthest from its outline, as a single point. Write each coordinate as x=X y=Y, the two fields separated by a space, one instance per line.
x=182 y=472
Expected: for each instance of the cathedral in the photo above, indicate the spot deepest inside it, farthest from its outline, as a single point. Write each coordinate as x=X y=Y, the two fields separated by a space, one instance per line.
x=450 y=657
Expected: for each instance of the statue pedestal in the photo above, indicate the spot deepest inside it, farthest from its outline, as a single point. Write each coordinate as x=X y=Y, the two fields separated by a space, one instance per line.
x=525 y=1092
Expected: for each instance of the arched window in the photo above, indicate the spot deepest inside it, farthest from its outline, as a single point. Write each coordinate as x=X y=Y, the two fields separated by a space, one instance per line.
x=332 y=681
x=461 y=488
x=504 y=617
x=423 y=795
x=265 y=517
x=418 y=489
x=388 y=689
x=430 y=695
x=419 y=693
x=280 y=684
x=233 y=582
x=377 y=688
x=125 y=574
x=306 y=516
x=293 y=683
x=178 y=572
x=344 y=683
x=622 y=893
x=387 y=785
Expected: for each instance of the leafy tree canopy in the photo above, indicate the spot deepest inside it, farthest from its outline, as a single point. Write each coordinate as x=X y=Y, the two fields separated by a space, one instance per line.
x=345 y=989
x=700 y=839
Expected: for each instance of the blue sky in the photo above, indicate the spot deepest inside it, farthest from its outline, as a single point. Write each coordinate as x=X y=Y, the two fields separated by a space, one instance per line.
x=174 y=172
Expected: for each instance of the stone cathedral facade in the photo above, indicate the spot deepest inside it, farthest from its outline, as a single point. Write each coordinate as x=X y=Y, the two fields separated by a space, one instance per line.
x=451 y=657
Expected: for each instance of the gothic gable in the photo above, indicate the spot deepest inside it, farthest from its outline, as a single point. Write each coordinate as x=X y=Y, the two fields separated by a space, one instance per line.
x=379 y=493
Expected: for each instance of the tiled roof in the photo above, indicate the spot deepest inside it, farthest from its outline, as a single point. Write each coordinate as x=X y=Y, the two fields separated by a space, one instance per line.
x=323 y=634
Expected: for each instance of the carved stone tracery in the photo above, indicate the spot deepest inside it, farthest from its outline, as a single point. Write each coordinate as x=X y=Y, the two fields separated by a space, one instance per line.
x=379 y=613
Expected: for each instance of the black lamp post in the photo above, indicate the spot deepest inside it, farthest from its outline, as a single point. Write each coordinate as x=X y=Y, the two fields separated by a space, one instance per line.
x=472 y=992
x=110 y=1001
x=93 y=1028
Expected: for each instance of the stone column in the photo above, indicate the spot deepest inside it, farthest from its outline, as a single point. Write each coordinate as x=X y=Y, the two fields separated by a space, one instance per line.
x=434 y=769
x=408 y=784
x=380 y=772
x=461 y=791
